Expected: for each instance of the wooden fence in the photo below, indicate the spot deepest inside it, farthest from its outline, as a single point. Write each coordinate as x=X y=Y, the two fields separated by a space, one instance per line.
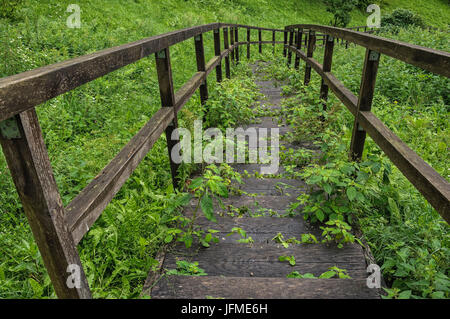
x=58 y=229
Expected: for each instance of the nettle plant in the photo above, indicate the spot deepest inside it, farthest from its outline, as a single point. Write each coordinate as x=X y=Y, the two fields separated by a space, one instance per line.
x=216 y=183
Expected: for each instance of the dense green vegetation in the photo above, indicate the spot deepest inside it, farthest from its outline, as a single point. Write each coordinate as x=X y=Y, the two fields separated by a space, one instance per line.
x=85 y=128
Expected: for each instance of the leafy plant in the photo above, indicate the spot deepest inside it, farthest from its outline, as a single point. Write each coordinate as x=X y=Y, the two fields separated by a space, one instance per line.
x=290 y=259
x=185 y=268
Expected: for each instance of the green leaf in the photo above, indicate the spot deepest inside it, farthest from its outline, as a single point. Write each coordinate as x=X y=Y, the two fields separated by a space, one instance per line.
x=351 y=193
x=206 y=205
x=196 y=183
x=37 y=288
x=404 y=294
x=320 y=215
x=328 y=274
x=327 y=188
x=168 y=239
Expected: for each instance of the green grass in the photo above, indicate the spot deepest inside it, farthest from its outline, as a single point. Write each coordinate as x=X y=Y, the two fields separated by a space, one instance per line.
x=85 y=128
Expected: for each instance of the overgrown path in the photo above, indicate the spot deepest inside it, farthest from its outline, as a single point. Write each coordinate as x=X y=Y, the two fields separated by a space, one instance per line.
x=240 y=267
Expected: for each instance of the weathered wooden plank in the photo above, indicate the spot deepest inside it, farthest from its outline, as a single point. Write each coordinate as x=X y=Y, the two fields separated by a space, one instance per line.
x=186 y=287
x=247 y=268
x=430 y=184
x=298 y=44
x=218 y=53
x=309 y=54
x=201 y=66
x=260 y=40
x=167 y=94
x=291 y=41
x=231 y=252
x=248 y=43
x=366 y=92
x=232 y=33
x=273 y=41
x=85 y=209
x=32 y=174
x=227 y=58
x=262 y=225
x=432 y=60
x=236 y=38
x=327 y=61
x=28 y=89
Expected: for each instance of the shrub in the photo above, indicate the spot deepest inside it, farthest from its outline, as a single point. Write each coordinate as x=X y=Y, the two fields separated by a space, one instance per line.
x=402 y=18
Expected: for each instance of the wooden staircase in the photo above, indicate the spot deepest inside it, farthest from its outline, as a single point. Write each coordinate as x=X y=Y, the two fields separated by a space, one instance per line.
x=252 y=270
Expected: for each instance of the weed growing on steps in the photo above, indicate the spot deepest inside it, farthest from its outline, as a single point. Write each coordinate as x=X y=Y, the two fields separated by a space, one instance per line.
x=331 y=273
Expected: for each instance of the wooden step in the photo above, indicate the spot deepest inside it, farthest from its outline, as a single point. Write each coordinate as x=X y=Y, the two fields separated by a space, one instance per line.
x=273 y=186
x=187 y=287
x=261 y=260
x=249 y=205
x=261 y=229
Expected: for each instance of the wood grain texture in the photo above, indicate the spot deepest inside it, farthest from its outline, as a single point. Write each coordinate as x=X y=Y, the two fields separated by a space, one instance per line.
x=32 y=174
x=366 y=93
x=186 y=287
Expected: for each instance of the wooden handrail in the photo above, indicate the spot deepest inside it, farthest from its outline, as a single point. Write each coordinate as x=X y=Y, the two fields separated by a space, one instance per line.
x=432 y=60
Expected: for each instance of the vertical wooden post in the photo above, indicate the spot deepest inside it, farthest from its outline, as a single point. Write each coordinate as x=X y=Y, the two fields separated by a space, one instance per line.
x=291 y=41
x=236 y=36
x=260 y=40
x=327 y=61
x=227 y=58
x=248 y=43
x=232 y=43
x=30 y=168
x=201 y=66
x=285 y=40
x=166 y=91
x=366 y=91
x=309 y=54
x=273 y=41
x=298 y=46
x=306 y=39
x=218 y=52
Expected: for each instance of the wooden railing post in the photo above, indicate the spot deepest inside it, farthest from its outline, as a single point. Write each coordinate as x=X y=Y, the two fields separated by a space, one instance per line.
x=236 y=36
x=309 y=54
x=327 y=61
x=298 y=46
x=273 y=41
x=248 y=43
x=232 y=43
x=201 y=66
x=291 y=42
x=260 y=40
x=30 y=168
x=218 y=52
x=285 y=41
x=366 y=91
x=227 y=58
x=164 y=70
